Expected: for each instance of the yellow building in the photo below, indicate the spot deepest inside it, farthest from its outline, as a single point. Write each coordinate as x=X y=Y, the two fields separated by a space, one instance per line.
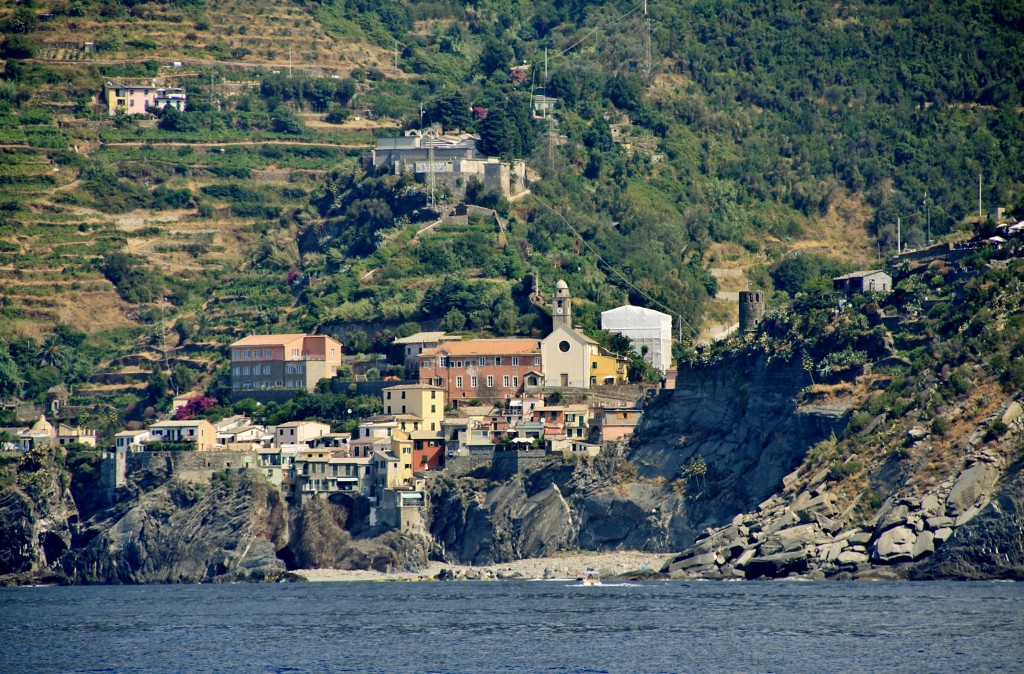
x=420 y=400
x=608 y=369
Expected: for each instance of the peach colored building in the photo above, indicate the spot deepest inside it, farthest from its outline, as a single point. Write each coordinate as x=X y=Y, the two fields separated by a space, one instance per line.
x=482 y=369
x=293 y=361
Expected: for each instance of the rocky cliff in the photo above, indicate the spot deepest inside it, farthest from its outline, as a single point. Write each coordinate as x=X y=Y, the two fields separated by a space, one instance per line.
x=37 y=515
x=932 y=507
x=182 y=532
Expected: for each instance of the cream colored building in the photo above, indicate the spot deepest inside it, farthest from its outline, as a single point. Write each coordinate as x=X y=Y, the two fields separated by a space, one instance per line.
x=420 y=400
x=198 y=431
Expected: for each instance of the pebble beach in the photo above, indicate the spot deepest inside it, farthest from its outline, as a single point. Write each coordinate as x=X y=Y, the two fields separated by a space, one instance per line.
x=567 y=565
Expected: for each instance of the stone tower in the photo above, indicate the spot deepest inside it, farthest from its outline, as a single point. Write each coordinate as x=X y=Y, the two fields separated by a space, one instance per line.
x=751 y=310
x=561 y=306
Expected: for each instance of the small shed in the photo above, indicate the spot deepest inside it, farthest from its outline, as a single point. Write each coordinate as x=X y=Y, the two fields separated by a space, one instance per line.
x=870 y=281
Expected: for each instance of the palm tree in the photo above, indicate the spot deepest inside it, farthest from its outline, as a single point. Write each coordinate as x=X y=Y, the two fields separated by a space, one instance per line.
x=53 y=353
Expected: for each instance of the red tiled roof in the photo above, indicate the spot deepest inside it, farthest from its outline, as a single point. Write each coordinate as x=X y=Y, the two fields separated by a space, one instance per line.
x=486 y=347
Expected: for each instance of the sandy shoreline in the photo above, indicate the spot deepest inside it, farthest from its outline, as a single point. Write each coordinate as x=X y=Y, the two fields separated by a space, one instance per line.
x=567 y=565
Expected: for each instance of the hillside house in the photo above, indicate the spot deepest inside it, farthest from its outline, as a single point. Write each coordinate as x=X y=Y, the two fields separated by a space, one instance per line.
x=299 y=432
x=137 y=98
x=199 y=432
x=293 y=361
x=44 y=434
x=862 y=282
x=447 y=160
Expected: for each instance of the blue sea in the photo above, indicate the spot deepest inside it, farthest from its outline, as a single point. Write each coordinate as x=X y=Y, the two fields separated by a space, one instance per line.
x=515 y=627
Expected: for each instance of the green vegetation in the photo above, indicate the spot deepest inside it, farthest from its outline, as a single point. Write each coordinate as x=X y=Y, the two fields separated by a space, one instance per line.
x=757 y=128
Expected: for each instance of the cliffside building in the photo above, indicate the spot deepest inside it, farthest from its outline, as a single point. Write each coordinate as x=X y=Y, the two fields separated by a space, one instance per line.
x=863 y=282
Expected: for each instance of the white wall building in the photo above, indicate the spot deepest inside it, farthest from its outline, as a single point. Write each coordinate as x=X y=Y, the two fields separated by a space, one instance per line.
x=643 y=327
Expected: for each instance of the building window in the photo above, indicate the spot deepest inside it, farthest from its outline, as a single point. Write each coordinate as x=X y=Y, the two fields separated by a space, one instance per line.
x=248 y=354
x=295 y=353
x=403 y=395
x=563 y=346
x=237 y=371
x=433 y=395
x=593 y=366
x=266 y=369
x=236 y=353
x=515 y=382
x=388 y=394
x=433 y=409
x=332 y=353
x=490 y=381
x=473 y=382
x=505 y=381
x=481 y=361
x=247 y=371
x=458 y=382
x=536 y=360
x=497 y=360
x=515 y=360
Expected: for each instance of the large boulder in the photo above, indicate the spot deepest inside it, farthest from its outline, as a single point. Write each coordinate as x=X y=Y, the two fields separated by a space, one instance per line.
x=895 y=545
x=973 y=484
x=990 y=546
x=777 y=566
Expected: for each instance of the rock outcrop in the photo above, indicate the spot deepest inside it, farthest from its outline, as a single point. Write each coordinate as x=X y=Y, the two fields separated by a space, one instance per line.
x=37 y=514
x=800 y=532
x=186 y=533
x=988 y=547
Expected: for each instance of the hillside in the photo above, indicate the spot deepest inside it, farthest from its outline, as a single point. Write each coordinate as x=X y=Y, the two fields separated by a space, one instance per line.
x=751 y=133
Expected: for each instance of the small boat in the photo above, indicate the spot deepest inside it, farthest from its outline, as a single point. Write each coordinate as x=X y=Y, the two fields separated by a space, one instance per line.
x=589 y=577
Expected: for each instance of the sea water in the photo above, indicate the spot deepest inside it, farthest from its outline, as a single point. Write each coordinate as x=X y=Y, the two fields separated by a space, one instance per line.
x=516 y=626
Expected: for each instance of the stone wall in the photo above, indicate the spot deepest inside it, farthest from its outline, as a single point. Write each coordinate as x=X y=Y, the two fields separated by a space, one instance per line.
x=191 y=466
x=464 y=464
x=507 y=463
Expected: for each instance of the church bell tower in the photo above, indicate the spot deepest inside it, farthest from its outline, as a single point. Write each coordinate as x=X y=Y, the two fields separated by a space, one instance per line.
x=561 y=306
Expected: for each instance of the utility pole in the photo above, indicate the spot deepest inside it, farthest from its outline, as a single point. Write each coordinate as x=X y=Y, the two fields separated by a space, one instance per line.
x=981 y=215
x=647 y=43
x=899 y=243
x=430 y=163
x=928 y=220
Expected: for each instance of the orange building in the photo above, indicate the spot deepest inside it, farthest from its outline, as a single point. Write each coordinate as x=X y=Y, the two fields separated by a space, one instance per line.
x=482 y=369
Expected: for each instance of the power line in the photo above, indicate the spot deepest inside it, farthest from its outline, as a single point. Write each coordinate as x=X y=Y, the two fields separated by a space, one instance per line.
x=613 y=268
x=641 y=6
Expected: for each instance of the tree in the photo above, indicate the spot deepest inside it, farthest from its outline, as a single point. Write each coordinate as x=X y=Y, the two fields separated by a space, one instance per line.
x=625 y=92
x=53 y=353
x=495 y=57
x=285 y=120
x=451 y=111
x=11 y=380
x=173 y=120
x=499 y=136
x=453 y=321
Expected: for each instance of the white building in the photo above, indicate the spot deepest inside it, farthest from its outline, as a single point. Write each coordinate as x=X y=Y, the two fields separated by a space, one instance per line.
x=643 y=327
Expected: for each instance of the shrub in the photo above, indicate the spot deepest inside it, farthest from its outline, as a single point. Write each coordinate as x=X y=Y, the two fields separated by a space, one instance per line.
x=940 y=426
